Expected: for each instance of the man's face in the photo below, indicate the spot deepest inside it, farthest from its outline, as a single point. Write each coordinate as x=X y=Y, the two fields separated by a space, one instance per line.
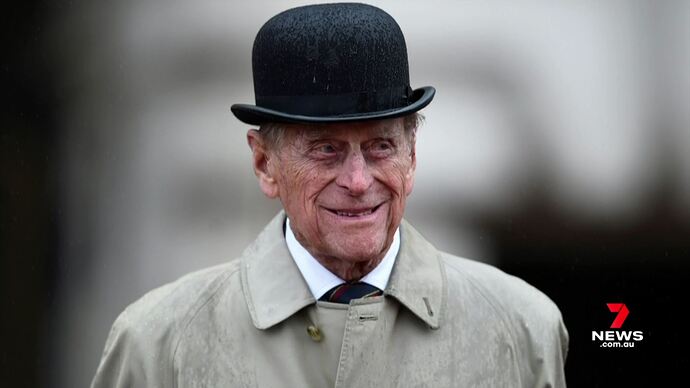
x=343 y=186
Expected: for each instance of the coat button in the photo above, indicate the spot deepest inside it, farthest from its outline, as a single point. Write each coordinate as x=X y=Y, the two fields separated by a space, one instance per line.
x=314 y=333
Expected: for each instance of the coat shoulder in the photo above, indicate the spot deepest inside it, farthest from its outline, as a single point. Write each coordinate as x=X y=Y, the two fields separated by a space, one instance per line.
x=532 y=319
x=506 y=293
x=177 y=302
x=144 y=337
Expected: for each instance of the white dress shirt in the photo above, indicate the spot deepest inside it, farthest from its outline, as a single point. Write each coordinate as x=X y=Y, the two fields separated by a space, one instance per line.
x=320 y=280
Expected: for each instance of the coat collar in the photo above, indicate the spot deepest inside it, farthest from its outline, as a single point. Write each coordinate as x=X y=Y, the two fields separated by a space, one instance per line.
x=274 y=288
x=418 y=280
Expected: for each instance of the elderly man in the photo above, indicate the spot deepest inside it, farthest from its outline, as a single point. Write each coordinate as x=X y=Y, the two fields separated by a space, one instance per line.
x=338 y=290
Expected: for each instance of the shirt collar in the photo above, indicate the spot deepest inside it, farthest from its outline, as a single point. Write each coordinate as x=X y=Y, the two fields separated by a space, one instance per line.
x=320 y=280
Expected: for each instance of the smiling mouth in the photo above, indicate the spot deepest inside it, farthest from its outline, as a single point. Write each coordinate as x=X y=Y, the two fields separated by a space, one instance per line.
x=354 y=213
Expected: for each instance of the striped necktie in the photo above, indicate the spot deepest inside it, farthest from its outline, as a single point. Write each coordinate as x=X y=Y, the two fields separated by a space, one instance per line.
x=345 y=292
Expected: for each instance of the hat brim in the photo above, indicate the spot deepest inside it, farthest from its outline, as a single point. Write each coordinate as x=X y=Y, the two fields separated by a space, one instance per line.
x=256 y=115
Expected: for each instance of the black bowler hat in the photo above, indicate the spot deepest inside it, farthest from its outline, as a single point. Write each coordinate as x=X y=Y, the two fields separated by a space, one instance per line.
x=331 y=63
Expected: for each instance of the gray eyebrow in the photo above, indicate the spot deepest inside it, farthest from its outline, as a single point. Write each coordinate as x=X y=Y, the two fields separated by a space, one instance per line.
x=312 y=133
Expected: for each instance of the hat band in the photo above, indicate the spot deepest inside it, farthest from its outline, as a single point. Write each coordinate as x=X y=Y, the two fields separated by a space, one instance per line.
x=339 y=104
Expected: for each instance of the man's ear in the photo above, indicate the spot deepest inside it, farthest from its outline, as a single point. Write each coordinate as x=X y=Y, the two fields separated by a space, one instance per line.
x=262 y=164
x=409 y=176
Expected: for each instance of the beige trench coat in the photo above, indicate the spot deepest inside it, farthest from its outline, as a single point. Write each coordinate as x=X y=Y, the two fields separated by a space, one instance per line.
x=443 y=321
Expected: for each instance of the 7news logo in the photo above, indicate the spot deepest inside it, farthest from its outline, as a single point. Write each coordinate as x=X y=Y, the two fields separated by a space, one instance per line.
x=617 y=338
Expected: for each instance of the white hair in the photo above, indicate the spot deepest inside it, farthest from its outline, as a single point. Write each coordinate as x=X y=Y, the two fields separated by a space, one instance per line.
x=274 y=133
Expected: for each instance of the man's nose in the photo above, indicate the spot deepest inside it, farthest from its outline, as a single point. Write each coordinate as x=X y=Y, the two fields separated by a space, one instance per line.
x=354 y=175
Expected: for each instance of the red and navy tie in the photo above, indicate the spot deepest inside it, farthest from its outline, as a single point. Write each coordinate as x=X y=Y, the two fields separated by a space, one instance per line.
x=345 y=292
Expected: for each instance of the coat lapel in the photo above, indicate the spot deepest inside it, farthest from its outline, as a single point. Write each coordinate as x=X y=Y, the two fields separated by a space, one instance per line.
x=272 y=284
x=418 y=280
x=274 y=288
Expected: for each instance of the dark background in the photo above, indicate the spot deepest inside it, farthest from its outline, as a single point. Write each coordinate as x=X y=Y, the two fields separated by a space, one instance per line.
x=29 y=232
x=581 y=266
x=644 y=266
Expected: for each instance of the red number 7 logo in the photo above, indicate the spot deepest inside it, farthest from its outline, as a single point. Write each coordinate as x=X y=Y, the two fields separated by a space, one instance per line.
x=620 y=317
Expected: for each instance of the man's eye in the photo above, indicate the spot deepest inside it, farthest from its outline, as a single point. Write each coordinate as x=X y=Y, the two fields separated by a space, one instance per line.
x=381 y=146
x=326 y=149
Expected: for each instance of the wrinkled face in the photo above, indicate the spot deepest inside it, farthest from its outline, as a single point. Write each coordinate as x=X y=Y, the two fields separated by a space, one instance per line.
x=343 y=186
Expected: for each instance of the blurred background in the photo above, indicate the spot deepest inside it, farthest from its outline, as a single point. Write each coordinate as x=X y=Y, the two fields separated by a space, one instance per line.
x=557 y=148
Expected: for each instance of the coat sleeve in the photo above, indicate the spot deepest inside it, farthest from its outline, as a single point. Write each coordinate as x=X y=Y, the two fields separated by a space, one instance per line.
x=543 y=342
x=550 y=359
x=134 y=356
